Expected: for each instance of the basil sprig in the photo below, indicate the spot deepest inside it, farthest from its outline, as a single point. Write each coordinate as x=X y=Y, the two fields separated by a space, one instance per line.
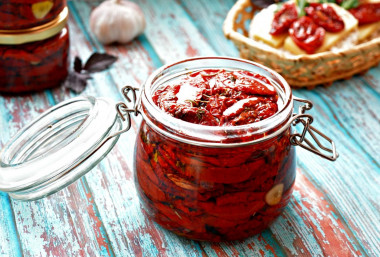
x=301 y=4
x=349 y=4
x=346 y=4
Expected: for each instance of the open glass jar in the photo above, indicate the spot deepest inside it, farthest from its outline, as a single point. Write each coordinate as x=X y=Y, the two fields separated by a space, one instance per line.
x=202 y=182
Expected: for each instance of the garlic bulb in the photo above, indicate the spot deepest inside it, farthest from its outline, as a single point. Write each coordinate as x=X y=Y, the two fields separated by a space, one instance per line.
x=117 y=21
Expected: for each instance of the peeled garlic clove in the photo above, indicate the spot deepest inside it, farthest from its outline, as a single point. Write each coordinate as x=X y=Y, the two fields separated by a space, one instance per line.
x=41 y=9
x=117 y=21
x=274 y=195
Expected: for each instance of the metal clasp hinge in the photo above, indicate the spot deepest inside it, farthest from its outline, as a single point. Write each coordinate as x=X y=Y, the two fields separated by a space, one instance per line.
x=124 y=111
x=301 y=140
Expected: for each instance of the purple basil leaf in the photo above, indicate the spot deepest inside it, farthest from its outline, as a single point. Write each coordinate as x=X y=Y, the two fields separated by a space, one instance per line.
x=99 y=62
x=263 y=3
x=78 y=64
x=76 y=81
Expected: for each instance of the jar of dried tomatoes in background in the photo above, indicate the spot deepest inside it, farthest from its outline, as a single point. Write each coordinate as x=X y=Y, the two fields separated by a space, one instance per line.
x=34 y=58
x=215 y=182
x=23 y=14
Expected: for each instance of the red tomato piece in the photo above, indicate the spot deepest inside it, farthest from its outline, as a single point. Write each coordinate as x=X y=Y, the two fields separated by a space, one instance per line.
x=325 y=16
x=216 y=97
x=366 y=13
x=307 y=35
x=284 y=18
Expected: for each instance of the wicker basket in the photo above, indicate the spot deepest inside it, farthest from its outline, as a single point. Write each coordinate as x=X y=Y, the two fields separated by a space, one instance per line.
x=299 y=70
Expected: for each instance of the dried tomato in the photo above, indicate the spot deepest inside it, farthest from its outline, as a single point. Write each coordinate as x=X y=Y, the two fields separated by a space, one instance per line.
x=325 y=16
x=22 y=14
x=307 y=35
x=212 y=193
x=284 y=18
x=219 y=98
x=184 y=188
x=366 y=13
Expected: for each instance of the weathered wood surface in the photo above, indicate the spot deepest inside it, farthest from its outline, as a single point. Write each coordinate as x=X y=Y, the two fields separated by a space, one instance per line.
x=334 y=210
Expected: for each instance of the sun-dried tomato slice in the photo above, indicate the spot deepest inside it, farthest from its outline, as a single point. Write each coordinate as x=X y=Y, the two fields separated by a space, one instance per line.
x=325 y=16
x=307 y=35
x=366 y=13
x=284 y=18
x=216 y=97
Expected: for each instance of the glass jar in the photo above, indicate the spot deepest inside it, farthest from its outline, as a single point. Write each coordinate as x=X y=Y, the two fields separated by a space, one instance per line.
x=202 y=182
x=214 y=183
x=23 y=14
x=30 y=57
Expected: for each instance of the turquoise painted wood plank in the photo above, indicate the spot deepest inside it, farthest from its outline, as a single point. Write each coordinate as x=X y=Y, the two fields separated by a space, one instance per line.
x=9 y=240
x=58 y=226
x=171 y=31
x=313 y=212
x=14 y=113
x=207 y=17
x=355 y=109
x=372 y=79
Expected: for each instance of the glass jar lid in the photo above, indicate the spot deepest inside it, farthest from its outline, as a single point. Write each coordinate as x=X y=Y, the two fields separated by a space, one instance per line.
x=59 y=147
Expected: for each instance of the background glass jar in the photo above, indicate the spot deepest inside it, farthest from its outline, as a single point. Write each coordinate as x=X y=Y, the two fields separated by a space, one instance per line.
x=22 y=14
x=214 y=183
x=30 y=57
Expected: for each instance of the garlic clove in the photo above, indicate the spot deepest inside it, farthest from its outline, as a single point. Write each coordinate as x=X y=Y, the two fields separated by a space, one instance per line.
x=117 y=21
x=41 y=9
x=274 y=195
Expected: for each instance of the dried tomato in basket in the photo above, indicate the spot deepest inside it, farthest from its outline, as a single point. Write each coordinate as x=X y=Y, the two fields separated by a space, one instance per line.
x=325 y=16
x=307 y=35
x=284 y=18
x=366 y=13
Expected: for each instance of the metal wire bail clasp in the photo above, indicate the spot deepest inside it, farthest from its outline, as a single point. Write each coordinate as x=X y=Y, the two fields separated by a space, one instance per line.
x=123 y=110
x=301 y=140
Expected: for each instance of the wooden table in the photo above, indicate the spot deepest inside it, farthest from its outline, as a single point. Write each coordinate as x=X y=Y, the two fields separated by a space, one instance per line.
x=334 y=210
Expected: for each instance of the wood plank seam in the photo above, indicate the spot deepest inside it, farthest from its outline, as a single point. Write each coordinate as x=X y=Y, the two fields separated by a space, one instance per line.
x=336 y=212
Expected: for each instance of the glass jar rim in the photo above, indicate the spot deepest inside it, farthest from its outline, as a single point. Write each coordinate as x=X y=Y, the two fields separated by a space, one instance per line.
x=211 y=136
x=38 y=33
